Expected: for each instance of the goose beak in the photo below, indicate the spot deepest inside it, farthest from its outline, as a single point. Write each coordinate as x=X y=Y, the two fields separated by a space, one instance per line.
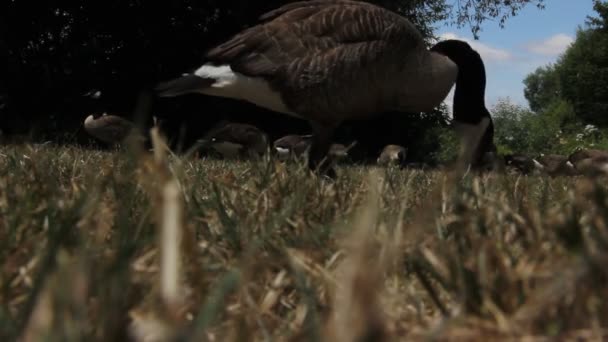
x=188 y=83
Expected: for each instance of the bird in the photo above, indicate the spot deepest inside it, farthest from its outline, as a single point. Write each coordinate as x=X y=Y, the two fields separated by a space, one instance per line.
x=235 y=140
x=590 y=161
x=392 y=155
x=555 y=165
x=339 y=152
x=522 y=163
x=295 y=145
x=292 y=145
x=109 y=128
x=327 y=61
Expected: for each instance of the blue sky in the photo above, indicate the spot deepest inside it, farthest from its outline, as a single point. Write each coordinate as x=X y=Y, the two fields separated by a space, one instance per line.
x=531 y=39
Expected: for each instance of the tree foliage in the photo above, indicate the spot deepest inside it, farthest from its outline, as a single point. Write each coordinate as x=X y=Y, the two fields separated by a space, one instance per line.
x=542 y=87
x=520 y=130
x=475 y=12
x=580 y=75
x=584 y=70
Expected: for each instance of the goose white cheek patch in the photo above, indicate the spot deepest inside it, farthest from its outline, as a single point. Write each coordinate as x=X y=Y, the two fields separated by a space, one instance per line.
x=281 y=150
x=282 y=153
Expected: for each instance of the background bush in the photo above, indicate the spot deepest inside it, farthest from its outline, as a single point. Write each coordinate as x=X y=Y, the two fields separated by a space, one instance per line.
x=555 y=130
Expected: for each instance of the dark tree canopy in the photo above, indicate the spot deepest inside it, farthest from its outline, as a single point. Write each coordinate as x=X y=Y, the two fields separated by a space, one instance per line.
x=53 y=52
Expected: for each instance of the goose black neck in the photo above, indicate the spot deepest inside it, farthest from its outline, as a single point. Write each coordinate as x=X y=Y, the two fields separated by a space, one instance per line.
x=469 y=103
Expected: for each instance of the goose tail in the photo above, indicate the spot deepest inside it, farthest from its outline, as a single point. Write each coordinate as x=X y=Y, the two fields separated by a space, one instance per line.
x=187 y=83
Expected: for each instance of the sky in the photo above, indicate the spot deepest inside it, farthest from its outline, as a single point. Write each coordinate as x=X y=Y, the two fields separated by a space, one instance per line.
x=529 y=40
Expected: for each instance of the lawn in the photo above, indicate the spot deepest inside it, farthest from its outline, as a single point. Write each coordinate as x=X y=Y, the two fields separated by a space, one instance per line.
x=120 y=245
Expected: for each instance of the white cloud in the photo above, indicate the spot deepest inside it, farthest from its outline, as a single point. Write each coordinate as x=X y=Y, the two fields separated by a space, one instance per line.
x=552 y=46
x=488 y=53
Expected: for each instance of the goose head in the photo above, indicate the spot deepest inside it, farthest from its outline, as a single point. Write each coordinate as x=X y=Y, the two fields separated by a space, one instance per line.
x=471 y=77
x=556 y=165
x=295 y=145
x=338 y=152
x=291 y=145
x=111 y=129
x=521 y=163
x=234 y=140
x=581 y=153
x=590 y=161
x=392 y=155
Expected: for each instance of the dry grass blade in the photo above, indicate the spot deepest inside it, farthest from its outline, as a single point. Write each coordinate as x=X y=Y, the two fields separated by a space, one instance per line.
x=100 y=245
x=357 y=311
x=171 y=237
x=61 y=306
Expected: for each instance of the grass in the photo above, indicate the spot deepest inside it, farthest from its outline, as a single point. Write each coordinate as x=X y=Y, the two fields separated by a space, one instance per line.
x=154 y=247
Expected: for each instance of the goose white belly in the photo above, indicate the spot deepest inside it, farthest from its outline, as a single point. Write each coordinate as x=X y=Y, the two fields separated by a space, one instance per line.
x=229 y=83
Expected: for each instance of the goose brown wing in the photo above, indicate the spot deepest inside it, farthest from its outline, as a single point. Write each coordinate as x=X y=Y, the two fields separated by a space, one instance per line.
x=308 y=32
x=302 y=4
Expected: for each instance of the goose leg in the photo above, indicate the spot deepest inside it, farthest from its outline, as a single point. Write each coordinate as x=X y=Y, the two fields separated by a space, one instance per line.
x=318 y=159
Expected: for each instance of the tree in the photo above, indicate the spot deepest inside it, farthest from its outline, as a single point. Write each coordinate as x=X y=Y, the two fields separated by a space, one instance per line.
x=474 y=12
x=579 y=77
x=542 y=87
x=523 y=131
x=584 y=70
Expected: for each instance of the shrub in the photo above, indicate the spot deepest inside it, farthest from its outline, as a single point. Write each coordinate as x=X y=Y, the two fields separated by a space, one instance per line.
x=554 y=130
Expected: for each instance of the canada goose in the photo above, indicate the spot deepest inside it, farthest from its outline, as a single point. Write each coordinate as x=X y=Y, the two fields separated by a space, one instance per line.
x=111 y=129
x=236 y=140
x=291 y=145
x=392 y=155
x=339 y=152
x=327 y=61
x=522 y=163
x=297 y=146
x=555 y=165
x=590 y=161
